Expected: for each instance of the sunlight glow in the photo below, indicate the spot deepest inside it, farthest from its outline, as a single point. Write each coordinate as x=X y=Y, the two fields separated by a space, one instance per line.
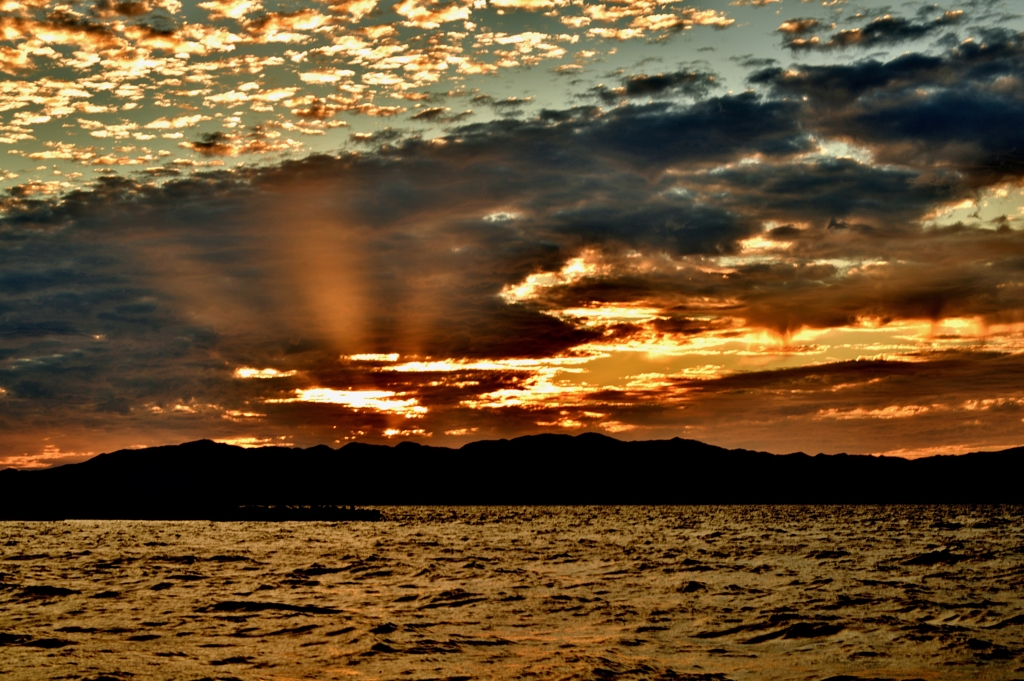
x=522 y=364
x=412 y=432
x=576 y=269
x=461 y=431
x=537 y=393
x=886 y=413
x=235 y=415
x=383 y=401
x=995 y=402
x=249 y=372
x=946 y=450
x=604 y=315
x=564 y=422
x=502 y=217
x=759 y=244
x=617 y=426
x=50 y=456
x=250 y=442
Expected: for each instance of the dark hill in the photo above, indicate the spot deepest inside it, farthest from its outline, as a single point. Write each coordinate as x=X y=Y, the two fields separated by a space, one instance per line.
x=202 y=479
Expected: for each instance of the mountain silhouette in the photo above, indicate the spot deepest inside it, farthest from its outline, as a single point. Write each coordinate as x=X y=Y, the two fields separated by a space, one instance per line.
x=206 y=479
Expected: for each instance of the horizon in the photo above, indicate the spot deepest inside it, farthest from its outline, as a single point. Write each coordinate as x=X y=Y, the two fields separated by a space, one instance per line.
x=392 y=444
x=770 y=224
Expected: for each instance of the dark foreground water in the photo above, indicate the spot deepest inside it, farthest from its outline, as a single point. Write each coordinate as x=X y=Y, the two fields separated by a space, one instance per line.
x=711 y=593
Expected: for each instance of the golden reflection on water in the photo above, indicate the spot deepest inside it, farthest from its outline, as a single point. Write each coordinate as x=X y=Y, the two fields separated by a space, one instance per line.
x=701 y=593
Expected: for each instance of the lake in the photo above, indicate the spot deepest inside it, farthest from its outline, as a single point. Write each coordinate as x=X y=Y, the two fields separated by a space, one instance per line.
x=699 y=593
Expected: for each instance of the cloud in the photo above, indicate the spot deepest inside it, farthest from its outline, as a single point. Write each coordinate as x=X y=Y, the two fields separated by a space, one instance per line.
x=392 y=253
x=304 y=69
x=691 y=83
x=356 y=9
x=431 y=15
x=711 y=231
x=316 y=109
x=231 y=9
x=845 y=402
x=431 y=113
x=256 y=142
x=14 y=60
x=164 y=123
x=825 y=191
x=510 y=106
x=130 y=8
x=933 y=113
x=884 y=30
x=799 y=26
x=528 y=5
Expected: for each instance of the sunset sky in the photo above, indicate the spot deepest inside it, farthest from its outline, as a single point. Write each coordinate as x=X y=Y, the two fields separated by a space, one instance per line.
x=771 y=224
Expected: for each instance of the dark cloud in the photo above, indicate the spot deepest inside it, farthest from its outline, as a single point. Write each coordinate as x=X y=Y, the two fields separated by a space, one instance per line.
x=152 y=296
x=430 y=114
x=257 y=141
x=673 y=225
x=840 y=84
x=690 y=83
x=826 y=191
x=378 y=137
x=885 y=30
x=439 y=114
x=506 y=106
x=749 y=61
x=128 y=307
x=937 y=130
x=943 y=115
x=215 y=143
x=708 y=132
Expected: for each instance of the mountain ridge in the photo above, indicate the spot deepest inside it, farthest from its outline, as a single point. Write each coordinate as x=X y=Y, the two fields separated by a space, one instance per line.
x=200 y=479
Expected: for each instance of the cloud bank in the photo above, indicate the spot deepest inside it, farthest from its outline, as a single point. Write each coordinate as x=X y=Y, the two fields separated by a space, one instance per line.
x=829 y=258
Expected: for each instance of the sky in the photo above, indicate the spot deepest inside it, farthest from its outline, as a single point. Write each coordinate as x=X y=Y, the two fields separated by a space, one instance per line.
x=772 y=224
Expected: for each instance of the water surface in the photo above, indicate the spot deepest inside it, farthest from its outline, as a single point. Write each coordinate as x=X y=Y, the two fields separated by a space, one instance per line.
x=699 y=593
